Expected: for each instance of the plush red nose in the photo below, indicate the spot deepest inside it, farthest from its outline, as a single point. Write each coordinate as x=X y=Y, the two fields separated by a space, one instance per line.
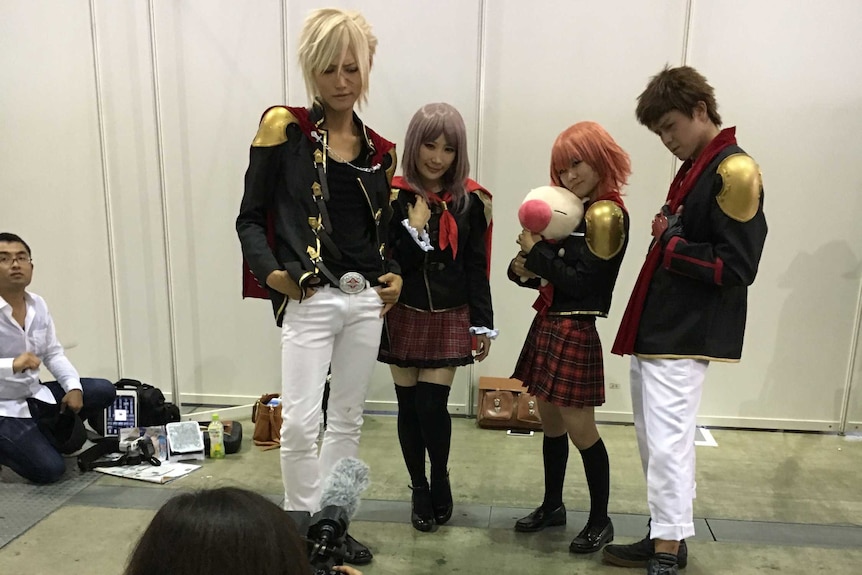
x=534 y=215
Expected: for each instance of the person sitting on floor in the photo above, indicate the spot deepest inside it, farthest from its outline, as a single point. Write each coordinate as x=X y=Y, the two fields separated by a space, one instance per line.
x=32 y=412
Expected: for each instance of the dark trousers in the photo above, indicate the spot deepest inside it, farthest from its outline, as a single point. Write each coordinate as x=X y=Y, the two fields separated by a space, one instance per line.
x=27 y=452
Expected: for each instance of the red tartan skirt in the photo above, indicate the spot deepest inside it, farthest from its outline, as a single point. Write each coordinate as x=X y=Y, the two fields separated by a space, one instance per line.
x=561 y=362
x=426 y=339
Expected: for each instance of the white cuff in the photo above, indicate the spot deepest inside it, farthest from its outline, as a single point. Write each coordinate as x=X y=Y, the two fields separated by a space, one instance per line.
x=491 y=333
x=6 y=369
x=422 y=239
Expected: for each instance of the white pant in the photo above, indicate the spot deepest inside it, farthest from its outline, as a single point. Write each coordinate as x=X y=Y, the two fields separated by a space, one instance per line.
x=665 y=399
x=334 y=328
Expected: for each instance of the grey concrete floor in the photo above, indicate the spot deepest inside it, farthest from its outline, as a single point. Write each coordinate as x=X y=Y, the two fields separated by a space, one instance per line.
x=767 y=502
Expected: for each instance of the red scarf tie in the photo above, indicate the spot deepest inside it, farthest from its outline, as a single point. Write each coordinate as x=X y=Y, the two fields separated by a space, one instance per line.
x=682 y=184
x=448 y=225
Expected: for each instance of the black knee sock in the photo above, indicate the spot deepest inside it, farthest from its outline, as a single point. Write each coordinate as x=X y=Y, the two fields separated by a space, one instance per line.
x=598 y=474
x=436 y=425
x=410 y=435
x=555 y=453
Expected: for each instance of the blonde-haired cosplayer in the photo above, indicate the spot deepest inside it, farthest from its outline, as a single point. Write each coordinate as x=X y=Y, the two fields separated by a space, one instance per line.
x=312 y=225
x=561 y=360
x=328 y=37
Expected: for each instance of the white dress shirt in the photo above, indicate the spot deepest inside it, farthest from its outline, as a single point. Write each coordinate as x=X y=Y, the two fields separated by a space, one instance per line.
x=39 y=338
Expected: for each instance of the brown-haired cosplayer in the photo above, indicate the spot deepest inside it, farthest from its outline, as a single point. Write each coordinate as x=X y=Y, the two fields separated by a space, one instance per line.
x=440 y=234
x=312 y=225
x=561 y=361
x=688 y=306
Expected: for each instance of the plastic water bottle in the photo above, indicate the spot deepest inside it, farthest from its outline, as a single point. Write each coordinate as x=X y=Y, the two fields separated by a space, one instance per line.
x=216 y=432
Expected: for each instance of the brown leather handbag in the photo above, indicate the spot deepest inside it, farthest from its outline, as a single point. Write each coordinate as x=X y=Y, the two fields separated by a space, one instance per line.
x=505 y=404
x=267 y=422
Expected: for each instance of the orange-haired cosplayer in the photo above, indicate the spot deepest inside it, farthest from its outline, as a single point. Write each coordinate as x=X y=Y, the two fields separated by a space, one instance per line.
x=561 y=361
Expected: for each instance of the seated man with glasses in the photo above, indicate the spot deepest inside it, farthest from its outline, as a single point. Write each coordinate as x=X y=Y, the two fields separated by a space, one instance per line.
x=31 y=411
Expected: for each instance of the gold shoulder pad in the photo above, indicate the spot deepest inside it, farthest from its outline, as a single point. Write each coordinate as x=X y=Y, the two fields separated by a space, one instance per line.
x=390 y=171
x=273 y=126
x=487 y=202
x=606 y=229
x=739 y=197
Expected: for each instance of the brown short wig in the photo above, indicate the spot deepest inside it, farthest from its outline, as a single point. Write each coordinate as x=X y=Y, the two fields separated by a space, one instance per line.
x=680 y=89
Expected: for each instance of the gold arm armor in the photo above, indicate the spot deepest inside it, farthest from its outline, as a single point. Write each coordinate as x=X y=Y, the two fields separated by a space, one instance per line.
x=739 y=197
x=606 y=229
x=273 y=126
x=390 y=171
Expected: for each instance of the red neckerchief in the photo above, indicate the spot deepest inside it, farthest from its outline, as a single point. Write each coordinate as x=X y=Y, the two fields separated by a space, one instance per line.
x=682 y=184
x=448 y=225
x=546 y=292
x=251 y=287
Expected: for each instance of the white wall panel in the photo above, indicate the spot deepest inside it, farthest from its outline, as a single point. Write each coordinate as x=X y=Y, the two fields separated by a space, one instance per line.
x=219 y=65
x=549 y=65
x=125 y=68
x=51 y=189
x=790 y=80
x=784 y=72
x=427 y=52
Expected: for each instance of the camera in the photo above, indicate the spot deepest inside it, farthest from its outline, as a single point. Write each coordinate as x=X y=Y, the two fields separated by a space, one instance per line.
x=138 y=450
x=325 y=534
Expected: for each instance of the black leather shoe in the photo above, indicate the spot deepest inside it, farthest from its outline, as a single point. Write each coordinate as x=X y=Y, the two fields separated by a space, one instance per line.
x=639 y=554
x=592 y=538
x=441 y=499
x=357 y=553
x=421 y=513
x=539 y=519
x=663 y=564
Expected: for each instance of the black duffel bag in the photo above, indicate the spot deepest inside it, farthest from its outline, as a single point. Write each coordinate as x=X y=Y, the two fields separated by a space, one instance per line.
x=232 y=436
x=152 y=407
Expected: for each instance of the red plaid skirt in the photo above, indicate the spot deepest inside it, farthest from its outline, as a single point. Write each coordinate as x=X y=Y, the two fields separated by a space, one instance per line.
x=426 y=339
x=561 y=361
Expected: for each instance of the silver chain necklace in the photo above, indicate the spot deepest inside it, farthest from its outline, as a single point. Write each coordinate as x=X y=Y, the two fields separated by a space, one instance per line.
x=338 y=158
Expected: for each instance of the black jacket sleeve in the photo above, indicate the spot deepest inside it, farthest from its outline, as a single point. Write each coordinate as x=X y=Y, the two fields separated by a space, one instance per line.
x=476 y=267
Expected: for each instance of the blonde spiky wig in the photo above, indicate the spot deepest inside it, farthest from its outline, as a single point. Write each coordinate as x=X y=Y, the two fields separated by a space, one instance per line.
x=325 y=34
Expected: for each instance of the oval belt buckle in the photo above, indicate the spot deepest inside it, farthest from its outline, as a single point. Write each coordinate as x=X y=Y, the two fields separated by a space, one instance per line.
x=352 y=282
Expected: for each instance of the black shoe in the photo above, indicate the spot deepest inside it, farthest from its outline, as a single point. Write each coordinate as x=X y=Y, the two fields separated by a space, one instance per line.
x=663 y=564
x=539 y=519
x=441 y=499
x=639 y=554
x=592 y=538
x=357 y=553
x=421 y=512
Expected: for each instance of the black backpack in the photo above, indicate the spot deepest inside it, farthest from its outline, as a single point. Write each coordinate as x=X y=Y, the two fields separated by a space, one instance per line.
x=152 y=407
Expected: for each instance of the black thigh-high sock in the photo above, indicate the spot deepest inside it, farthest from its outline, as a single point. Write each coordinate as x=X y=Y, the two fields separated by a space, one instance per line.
x=597 y=470
x=410 y=435
x=436 y=425
x=555 y=453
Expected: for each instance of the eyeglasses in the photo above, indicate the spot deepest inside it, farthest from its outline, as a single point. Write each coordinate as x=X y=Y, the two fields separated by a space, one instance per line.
x=9 y=259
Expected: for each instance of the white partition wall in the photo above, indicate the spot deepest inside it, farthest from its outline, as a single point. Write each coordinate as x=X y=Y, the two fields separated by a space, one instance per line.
x=219 y=65
x=791 y=82
x=51 y=179
x=126 y=128
x=124 y=74
x=580 y=61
